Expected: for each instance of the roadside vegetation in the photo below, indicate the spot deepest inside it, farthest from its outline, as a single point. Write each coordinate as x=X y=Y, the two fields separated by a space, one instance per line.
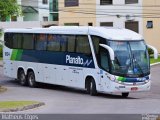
x=1 y=52
x=13 y=106
x=152 y=60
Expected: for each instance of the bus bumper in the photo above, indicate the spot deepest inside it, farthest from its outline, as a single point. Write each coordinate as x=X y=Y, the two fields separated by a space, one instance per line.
x=116 y=87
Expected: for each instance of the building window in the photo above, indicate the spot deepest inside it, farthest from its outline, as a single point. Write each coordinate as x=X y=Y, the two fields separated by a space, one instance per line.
x=131 y=1
x=149 y=24
x=106 y=2
x=70 y=3
x=45 y=18
x=90 y=24
x=45 y=1
x=132 y=25
x=71 y=24
x=107 y=24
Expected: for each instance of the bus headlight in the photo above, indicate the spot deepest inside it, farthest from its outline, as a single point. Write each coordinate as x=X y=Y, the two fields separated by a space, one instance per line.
x=146 y=81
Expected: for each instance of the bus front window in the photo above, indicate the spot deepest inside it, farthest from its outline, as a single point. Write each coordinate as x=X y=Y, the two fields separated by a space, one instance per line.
x=131 y=58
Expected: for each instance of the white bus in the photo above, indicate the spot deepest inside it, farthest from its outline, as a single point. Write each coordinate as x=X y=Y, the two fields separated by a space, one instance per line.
x=96 y=59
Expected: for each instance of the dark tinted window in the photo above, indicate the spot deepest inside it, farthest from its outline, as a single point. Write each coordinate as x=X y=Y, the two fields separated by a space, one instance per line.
x=63 y=43
x=108 y=24
x=45 y=1
x=131 y=1
x=82 y=45
x=28 y=41
x=96 y=40
x=71 y=43
x=8 y=40
x=106 y=2
x=17 y=40
x=53 y=42
x=41 y=42
x=70 y=3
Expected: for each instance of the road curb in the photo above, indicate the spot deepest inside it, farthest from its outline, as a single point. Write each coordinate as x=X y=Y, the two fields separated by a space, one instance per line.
x=23 y=108
x=155 y=64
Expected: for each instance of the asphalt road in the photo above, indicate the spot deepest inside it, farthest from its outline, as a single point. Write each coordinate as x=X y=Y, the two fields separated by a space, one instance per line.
x=64 y=100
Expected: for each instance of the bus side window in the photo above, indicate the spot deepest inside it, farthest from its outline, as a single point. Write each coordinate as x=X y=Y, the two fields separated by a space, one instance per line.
x=82 y=45
x=71 y=39
x=96 y=41
x=41 y=42
x=63 y=43
x=53 y=43
x=8 y=38
x=28 y=41
x=17 y=40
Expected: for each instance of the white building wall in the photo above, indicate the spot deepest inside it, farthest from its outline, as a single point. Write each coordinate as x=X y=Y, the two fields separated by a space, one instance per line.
x=117 y=13
x=43 y=10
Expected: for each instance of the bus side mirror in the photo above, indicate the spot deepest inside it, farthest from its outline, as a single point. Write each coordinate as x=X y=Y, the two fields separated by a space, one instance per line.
x=154 y=50
x=111 y=52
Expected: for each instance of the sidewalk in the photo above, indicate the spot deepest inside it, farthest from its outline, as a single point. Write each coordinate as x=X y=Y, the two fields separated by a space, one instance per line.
x=1 y=63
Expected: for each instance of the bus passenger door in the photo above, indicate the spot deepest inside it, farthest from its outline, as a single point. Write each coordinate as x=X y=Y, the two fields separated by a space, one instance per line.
x=104 y=63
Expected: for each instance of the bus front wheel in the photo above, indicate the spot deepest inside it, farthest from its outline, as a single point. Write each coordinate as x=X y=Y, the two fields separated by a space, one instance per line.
x=91 y=87
x=31 y=79
x=125 y=95
x=22 y=78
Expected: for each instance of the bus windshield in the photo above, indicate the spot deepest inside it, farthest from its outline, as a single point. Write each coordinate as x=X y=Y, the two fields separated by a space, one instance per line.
x=131 y=58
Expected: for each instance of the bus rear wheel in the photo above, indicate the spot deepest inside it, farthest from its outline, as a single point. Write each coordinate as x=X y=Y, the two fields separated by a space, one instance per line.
x=125 y=95
x=31 y=79
x=91 y=87
x=22 y=78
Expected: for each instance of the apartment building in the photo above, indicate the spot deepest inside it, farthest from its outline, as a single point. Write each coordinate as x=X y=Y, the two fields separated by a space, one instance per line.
x=151 y=22
x=53 y=10
x=77 y=12
x=35 y=13
x=116 y=13
x=128 y=14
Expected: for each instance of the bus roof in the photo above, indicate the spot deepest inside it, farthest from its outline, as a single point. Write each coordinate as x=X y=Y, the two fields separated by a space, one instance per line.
x=105 y=32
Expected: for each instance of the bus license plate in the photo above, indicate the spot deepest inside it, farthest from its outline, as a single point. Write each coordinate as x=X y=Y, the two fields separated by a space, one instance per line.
x=134 y=88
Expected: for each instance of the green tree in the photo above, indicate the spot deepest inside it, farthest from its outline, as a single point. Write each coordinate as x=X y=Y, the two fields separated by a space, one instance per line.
x=9 y=8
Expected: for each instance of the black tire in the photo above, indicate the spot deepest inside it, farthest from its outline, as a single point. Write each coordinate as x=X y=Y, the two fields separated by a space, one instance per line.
x=22 y=78
x=91 y=87
x=31 y=79
x=125 y=95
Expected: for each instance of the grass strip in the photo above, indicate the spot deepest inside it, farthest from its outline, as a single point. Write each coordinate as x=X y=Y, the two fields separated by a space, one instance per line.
x=13 y=106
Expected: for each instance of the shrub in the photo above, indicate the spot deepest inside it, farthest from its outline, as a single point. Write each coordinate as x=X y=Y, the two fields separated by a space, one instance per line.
x=1 y=51
x=150 y=51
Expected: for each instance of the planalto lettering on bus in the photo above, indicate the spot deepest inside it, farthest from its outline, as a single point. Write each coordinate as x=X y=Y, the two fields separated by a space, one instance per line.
x=74 y=60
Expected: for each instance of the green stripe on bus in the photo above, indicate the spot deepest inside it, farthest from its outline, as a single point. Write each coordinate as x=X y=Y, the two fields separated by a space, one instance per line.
x=121 y=79
x=19 y=55
x=16 y=54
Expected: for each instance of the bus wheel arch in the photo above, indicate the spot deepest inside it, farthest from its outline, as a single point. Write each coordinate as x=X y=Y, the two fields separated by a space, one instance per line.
x=125 y=94
x=31 y=78
x=90 y=85
x=21 y=77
